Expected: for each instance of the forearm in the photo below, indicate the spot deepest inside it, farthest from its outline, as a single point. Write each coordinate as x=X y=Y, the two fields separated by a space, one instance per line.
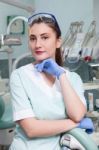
x=74 y=106
x=45 y=128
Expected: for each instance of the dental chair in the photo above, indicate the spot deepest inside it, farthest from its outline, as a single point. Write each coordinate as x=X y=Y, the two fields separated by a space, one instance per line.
x=83 y=138
x=6 y=124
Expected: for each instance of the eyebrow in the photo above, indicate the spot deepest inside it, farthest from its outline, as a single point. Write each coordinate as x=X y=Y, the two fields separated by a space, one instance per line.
x=40 y=34
x=44 y=34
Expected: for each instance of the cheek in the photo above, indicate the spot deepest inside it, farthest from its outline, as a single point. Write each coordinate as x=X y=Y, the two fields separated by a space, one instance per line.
x=52 y=51
x=31 y=46
x=52 y=43
x=53 y=47
x=31 y=49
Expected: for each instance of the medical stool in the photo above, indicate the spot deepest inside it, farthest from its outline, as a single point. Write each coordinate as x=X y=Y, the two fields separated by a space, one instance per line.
x=6 y=124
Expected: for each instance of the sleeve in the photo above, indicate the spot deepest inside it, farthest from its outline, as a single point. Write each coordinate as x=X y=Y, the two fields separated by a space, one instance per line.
x=20 y=102
x=77 y=84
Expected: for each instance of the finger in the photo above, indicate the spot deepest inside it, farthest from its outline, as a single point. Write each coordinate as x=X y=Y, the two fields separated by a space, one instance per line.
x=36 y=66
x=39 y=67
x=46 y=65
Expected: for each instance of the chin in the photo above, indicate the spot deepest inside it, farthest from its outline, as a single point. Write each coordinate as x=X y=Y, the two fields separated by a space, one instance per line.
x=41 y=59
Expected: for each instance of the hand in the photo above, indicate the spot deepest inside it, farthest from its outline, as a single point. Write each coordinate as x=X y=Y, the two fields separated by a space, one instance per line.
x=50 y=66
x=87 y=124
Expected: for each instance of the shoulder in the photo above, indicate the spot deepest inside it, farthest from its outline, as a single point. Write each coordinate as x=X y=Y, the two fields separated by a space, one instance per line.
x=20 y=72
x=74 y=77
x=22 y=69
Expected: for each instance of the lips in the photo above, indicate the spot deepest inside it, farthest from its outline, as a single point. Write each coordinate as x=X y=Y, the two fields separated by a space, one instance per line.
x=39 y=52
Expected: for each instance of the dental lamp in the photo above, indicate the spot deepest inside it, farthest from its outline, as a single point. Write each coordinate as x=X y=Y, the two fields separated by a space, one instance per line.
x=14 y=19
x=19 y=4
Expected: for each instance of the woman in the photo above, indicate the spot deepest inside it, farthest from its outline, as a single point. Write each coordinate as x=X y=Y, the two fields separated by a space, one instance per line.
x=47 y=99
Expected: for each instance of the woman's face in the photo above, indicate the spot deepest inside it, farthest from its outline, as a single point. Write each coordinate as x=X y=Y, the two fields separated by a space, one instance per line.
x=43 y=41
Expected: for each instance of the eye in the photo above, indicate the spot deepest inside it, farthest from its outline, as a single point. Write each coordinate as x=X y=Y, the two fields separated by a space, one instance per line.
x=45 y=37
x=32 y=38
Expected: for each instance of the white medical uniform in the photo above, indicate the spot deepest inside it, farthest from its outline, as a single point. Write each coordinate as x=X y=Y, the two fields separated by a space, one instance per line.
x=32 y=97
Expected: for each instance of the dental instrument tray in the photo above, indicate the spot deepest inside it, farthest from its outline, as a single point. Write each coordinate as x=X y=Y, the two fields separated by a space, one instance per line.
x=10 y=40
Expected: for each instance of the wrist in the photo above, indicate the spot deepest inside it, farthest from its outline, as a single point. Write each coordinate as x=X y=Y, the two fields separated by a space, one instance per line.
x=60 y=72
x=71 y=124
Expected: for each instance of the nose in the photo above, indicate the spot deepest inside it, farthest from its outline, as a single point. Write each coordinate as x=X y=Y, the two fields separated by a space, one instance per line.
x=38 y=43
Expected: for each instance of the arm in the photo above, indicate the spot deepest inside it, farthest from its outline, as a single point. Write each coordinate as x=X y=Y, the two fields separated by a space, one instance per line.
x=44 y=128
x=74 y=106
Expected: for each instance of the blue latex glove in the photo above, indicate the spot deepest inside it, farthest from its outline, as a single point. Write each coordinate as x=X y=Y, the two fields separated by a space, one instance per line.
x=50 y=66
x=87 y=124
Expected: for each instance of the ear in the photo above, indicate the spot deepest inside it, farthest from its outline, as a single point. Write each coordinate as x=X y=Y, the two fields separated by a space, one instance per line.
x=59 y=42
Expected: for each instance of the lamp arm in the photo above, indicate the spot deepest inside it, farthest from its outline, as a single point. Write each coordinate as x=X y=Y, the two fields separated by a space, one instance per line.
x=19 y=5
